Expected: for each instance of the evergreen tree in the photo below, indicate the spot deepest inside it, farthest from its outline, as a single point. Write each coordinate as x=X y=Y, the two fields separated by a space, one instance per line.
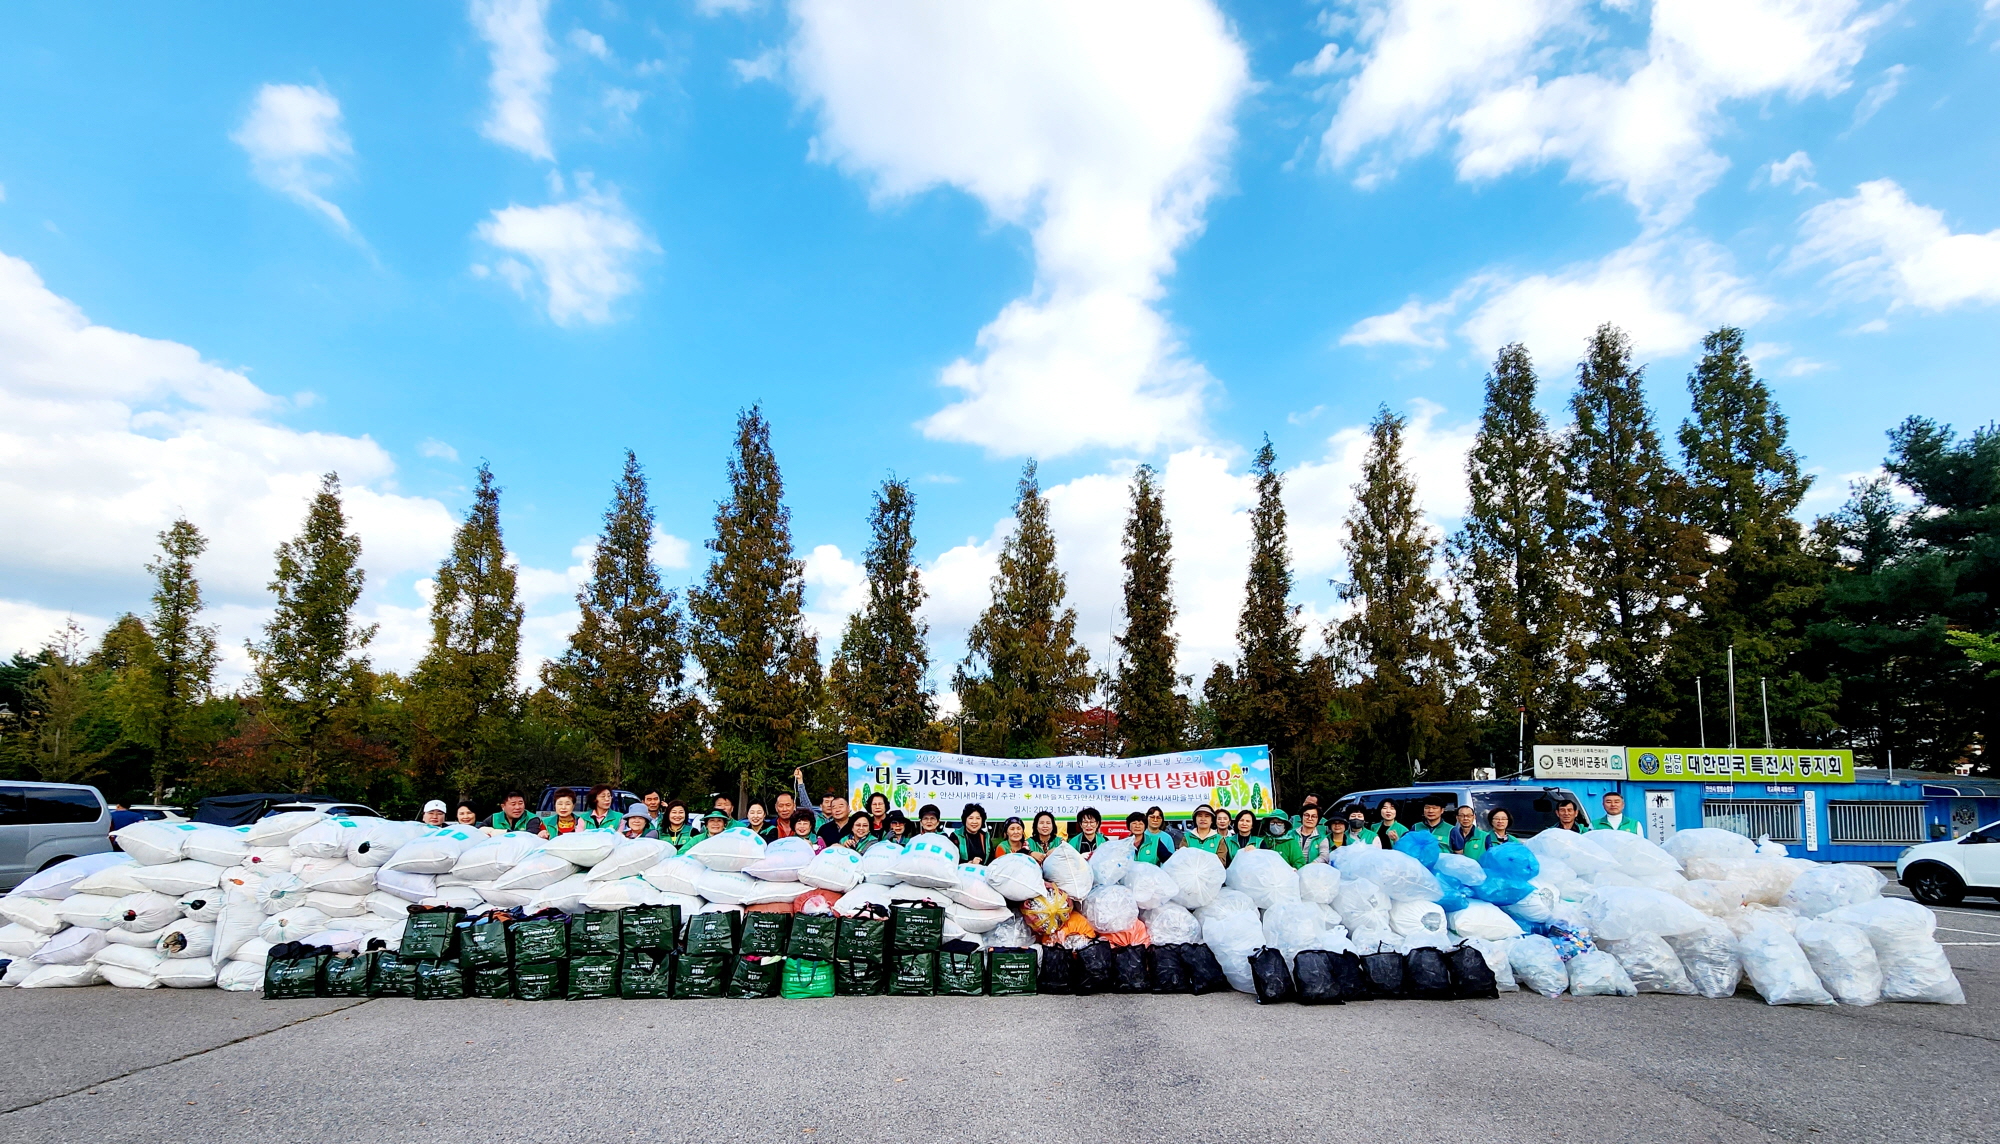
x=621 y=672
x=57 y=742
x=1635 y=555
x=1514 y=562
x=760 y=659
x=1760 y=587
x=1395 y=643
x=1271 y=696
x=163 y=672
x=1152 y=714
x=463 y=695
x=310 y=663
x=879 y=681
x=1023 y=670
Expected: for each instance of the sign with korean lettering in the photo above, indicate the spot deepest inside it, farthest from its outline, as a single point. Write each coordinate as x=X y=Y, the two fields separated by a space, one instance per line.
x=1709 y=764
x=1579 y=762
x=1235 y=778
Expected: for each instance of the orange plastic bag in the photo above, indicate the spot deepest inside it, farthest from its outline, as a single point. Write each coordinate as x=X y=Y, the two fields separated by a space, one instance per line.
x=1075 y=933
x=815 y=901
x=1134 y=935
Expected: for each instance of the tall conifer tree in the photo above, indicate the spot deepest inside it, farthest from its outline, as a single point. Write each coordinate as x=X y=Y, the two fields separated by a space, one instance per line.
x=1514 y=562
x=623 y=667
x=1023 y=669
x=760 y=659
x=310 y=664
x=1152 y=712
x=164 y=669
x=1636 y=555
x=463 y=693
x=1761 y=587
x=1396 y=642
x=880 y=675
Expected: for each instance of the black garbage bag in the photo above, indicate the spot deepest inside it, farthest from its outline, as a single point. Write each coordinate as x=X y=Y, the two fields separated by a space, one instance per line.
x=1059 y=971
x=1097 y=968
x=1471 y=977
x=1349 y=976
x=1314 y=977
x=1270 y=976
x=1204 y=973
x=1170 y=970
x=1383 y=974
x=1131 y=973
x=1429 y=978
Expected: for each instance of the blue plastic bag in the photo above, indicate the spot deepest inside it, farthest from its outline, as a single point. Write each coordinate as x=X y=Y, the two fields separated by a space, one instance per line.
x=1421 y=845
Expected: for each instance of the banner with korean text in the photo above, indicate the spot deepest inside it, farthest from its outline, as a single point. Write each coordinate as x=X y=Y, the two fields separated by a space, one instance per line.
x=1234 y=778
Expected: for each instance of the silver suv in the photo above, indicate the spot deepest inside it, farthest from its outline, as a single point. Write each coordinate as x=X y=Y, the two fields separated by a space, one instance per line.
x=43 y=823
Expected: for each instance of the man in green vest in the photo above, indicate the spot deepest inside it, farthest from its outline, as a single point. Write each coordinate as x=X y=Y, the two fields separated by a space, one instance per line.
x=1434 y=821
x=1466 y=837
x=513 y=815
x=1614 y=817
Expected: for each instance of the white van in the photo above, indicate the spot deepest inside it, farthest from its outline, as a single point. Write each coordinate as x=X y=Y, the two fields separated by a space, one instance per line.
x=43 y=823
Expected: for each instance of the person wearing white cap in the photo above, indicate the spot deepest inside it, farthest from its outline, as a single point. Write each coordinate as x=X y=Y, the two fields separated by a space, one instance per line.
x=434 y=812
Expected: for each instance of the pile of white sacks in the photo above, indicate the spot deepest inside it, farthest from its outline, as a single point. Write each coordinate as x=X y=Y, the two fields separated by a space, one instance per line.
x=192 y=905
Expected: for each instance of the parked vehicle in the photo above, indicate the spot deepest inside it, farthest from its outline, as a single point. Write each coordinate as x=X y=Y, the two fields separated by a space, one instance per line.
x=1532 y=808
x=619 y=798
x=42 y=824
x=243 y=809
x=1943 y=873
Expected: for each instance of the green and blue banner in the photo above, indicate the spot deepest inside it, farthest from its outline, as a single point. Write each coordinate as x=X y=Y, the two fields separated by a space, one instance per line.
x=1233 y=778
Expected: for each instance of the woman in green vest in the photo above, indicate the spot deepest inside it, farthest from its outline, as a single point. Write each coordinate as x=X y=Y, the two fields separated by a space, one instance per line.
x=677 y=829
x=1336 y=836
x=1242 y=834
x=759 y=821
x=1311 y=835
x=1147 y=847
x=599 y=813
x=1203 y=835
x=1043 y=837
x=975 y=842
x=1013 y=839
x=860 y=834
x=1281 y=839
x=563 y=820
x=1386 y=832
x=1499 y=824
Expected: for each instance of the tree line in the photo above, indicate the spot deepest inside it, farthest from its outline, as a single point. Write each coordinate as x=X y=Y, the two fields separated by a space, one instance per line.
x=1595 y=592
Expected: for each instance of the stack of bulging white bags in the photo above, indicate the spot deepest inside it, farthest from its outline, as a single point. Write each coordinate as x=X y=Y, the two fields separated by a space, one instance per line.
x=189 y=904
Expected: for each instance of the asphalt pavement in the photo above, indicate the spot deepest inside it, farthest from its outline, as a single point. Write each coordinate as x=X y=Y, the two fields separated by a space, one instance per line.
x=106 y=1065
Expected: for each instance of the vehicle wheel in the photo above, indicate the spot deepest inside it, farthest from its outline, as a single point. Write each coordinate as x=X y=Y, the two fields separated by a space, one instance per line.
x=57 y=859
x=1935 y=885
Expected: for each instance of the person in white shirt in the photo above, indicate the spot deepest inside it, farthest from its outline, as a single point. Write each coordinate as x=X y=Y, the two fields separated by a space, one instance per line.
x=1614 y=817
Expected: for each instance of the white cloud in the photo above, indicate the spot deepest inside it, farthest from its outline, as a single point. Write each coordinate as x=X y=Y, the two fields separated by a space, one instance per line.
x=1878 y=242
x=837 y=587
x=582 y=250
x=1665 y=291
x=295 y=142
x=1880 y=93
x=670 y=551
x=1795 y=169
x=1529 y=83
x=517 y=42
x=1102 y=129
x=30 y=627
x=726 y=7
x=432 y=447
x=589 y=43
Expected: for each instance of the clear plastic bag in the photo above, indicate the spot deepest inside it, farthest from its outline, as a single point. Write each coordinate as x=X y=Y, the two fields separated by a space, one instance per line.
x=1829 y=887
x=1110 y=861
x=1400 y=877
x=1171 y=924
x=1111 y=909
x=1485 y=921
x=1359 y=896
x=1777 y=968
x=1708 y=843
x=1150 y=885
x=1537 y=965
x=1319 y=882
x=1633 y=855
x=1015 y=934
x=1465 y=871
x=1233 y=938
x=1598 y=974
x=1067 y=871
x=1709 y=957
x=1844 y=959
x=1569 y=848
x=1651 y=963
x=1914 y=966
x=1199 y=874
x=1226 y=902
x=1265 y=876
x=1619 y=913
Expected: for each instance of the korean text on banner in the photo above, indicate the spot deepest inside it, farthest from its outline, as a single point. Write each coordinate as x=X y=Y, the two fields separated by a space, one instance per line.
x=1236 y=778
x=1699 y=764
x=1579 y=762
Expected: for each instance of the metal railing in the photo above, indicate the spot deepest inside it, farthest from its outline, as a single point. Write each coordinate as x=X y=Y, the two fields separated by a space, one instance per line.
x=1753 y=817
x=1881 y=823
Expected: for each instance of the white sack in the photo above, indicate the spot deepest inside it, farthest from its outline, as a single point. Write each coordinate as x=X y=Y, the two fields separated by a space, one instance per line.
x=487 y=859
x=90 y=911
x=1111 y=909
x=73 y=946
x=835 y=868
x=405 y=885
x=624 y=893
x=1266 y=877
x=565 y=895
x=677 y=875
x=1412 y=919
x=729 y=851
x=185 y=939
x=1171 y=924
x=1068 y=871
x=342 y=878
x=1110 y=861
x=67 y=876
x=583 y=848
x=782 y=860
x=38 y=914
x=186 y=973
x=114 y=880
x=1017 y=876
x=630 y=858
x=1844 y=960
x=17 y=941
x=1485 y=921
x=62 y=976
x=177 y=878
x=217 y=845
x=337 y=905
x=878 y=866
x=436 y=853
x=535 y=872
x=153 y=841
x=292 y=924
x=327 y=838
x=1777 y=967
x=930 y=860
x=1199 y=874
x=375 y=841
x=240 y=977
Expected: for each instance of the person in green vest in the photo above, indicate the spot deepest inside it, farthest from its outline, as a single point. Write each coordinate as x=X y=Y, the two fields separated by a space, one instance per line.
x=1242 y=835
x=860 y=834
x=1614 y=817
x=513 y=815
x=975 y=842
x=1337 y=836
x=716 y=822
x=1042 y=837
x=1311 y=833
x=676 y=829
x=563 y=819
x=599 y=812
x=1281 y=839
x=1203 y=835
x=1435 y=821
x=1466 y=837
x=1388 y=831
x=638 y=824
x=1312 y=801
x=1570 y=817
x=1089 y=824
x=1147 y=847
x=930 y=820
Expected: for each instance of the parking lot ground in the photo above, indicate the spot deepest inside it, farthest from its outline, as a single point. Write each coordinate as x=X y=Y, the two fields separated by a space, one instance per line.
x=105 y=1065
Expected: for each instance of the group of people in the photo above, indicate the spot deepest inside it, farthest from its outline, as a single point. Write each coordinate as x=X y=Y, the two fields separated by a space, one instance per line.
x=1300 y=838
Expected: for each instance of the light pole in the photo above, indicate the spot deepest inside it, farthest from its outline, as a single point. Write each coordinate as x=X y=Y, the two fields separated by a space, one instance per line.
x=1732 y=697
x=1700 y=716
x=1764 y=691
x=1521 y=735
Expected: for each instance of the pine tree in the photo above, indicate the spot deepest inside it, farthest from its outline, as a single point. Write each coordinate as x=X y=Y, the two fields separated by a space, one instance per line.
x=622 y=670
x=1272 y=696
x=1023 y=669
x=61 y=700
x=1635 y=556
x=1761 y=587
x=1514 y=562
x=879 y=681
x=1395 y=643
x=164 y=676
x=310 y=663
x=1152 y=713
x=463 y=694
x=760 y=659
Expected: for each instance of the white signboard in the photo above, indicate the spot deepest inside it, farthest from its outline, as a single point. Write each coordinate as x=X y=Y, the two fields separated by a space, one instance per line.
x=1579 y=762
x=1659 y=815
x=1812 y=820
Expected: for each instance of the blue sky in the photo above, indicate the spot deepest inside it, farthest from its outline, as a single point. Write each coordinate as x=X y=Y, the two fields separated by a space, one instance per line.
x=240 y=246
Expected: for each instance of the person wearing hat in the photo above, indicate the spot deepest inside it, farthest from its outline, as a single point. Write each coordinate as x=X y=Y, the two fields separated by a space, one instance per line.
x=718 y=820
x=1283 y=840
x=896 y=828
x=1614 y=817
x=1013 y=838
x=1147 y=846
x=1435 y=822
x=638 y=823
x=434 y=812
x=930 y=820
x=1203 y=834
